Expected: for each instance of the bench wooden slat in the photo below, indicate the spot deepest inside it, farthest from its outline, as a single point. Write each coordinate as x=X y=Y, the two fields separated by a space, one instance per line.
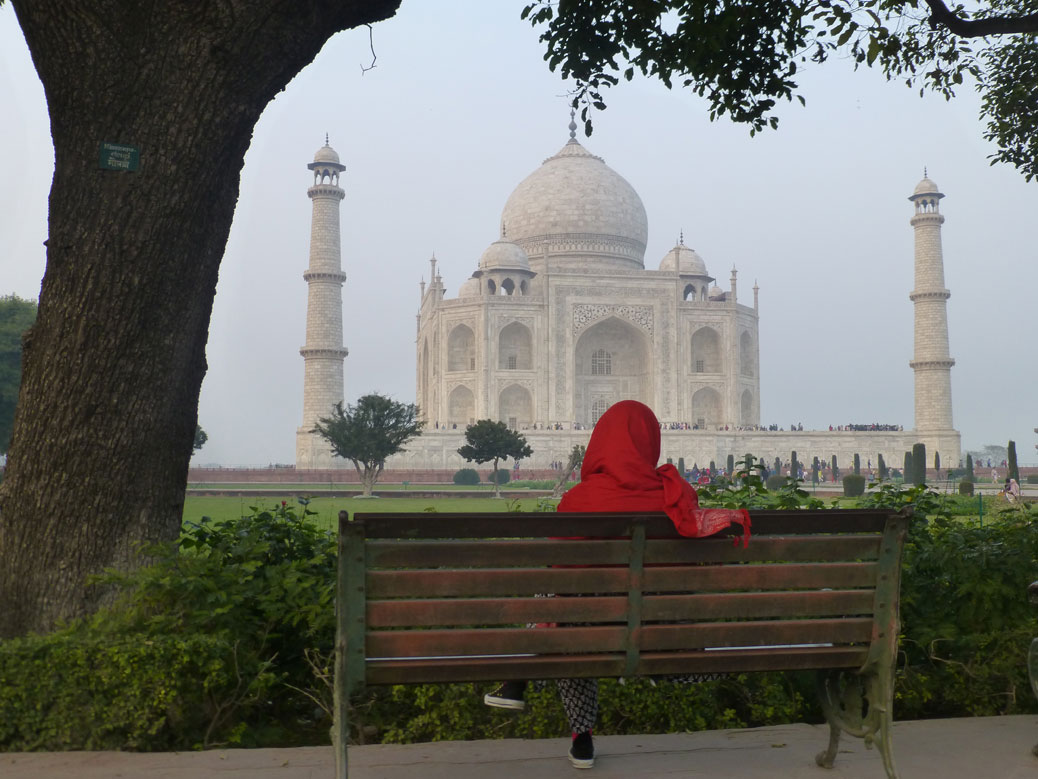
x=507 y=581
x=533 y=525
x=490 y=669
x=688 y=606
x=491 y=554
x=610 y=638
x=756 y=605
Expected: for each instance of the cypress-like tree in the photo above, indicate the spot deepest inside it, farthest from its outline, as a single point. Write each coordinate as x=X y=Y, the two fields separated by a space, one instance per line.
x=814 y=471
x=731 y=464
x=794 y=468
x=919 y=463
x=907 y=471
x=881 y=465
x=836 y=469
x=778 y=466
x=713 y=468
x=969 y=469
x=857 y=464
x=937 y=461
x=1014 y=472
x=681 y=466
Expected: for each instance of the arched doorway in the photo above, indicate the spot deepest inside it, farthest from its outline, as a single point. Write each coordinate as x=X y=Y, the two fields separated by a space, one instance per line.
x=515 y=348
x=461 y=349
x=612 y=361
x=706 y=408
x=461 y=407
x=706 y=351
x=515 y=407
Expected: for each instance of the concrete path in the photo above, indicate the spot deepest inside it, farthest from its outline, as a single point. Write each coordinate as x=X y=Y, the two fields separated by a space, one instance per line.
x=979 y=748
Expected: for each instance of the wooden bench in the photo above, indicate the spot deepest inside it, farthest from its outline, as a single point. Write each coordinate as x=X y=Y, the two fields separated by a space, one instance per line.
x=448 y=597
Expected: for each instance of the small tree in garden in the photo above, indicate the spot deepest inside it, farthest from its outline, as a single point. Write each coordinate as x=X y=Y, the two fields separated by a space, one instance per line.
x=681 y=466
x=919 y=464
x=836 y=469
x=369 y=432
x=487 y=441
x=794 y=466
x=881 y=466
x=778 y=466
x=907 y=470
x=857 y=464
x=1014 y=471
x=815 y=467
x=731 y=465
x=937 y=463
x=969 y=469
x=200 y=437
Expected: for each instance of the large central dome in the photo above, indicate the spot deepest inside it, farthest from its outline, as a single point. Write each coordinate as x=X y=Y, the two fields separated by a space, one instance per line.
x=575 y=207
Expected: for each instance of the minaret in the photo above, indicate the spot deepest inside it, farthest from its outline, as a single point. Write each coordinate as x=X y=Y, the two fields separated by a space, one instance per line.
x=323 y=353
x=931 y=362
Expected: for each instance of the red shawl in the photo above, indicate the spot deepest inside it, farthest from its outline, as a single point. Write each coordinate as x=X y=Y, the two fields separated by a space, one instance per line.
x=620 y=474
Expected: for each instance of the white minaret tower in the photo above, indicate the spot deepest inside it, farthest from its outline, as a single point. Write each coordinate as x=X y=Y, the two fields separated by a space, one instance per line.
x=323 y=353
x=931 y=362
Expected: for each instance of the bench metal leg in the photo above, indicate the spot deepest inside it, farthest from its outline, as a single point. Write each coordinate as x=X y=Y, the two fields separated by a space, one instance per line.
x=862 y=707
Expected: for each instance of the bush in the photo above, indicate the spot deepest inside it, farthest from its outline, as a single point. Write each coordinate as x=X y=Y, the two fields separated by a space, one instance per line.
x=467 y=477
x=853 y=485
x=965 y=487
x=499 y=477
x=775 y=482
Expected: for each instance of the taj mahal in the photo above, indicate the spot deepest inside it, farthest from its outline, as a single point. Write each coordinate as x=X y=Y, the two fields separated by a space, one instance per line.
x=562 y=317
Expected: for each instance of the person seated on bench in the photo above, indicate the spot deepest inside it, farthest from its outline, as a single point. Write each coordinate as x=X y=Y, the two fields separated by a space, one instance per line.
x=619 y=473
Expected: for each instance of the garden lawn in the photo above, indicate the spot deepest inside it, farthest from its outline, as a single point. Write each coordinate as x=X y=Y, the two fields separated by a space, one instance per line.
x=327 y=509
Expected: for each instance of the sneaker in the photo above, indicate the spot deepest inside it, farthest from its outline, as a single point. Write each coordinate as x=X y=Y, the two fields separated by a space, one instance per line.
x=507 y=696
x=582 y=753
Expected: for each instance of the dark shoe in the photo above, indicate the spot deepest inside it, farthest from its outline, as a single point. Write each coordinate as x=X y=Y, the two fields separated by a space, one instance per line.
x=582 y=753
x=507 y=696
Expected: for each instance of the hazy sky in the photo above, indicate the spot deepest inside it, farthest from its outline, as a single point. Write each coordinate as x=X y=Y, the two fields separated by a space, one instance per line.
x=461 y=107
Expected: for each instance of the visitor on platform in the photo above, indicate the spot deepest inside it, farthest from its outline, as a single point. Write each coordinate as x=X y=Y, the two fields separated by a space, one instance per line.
x=619 y=473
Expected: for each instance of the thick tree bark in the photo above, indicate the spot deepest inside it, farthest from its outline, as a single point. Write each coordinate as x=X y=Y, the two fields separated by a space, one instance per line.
x=114 y=364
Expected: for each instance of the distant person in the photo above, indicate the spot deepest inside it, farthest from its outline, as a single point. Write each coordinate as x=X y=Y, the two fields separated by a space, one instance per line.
x=1012 y=490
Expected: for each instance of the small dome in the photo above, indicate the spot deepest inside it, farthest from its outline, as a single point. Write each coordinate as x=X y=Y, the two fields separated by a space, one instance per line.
x=685 y=261
x=926 y=187
x=716 y=293
x=469 y=288
x=326 y=154
x=504 y=255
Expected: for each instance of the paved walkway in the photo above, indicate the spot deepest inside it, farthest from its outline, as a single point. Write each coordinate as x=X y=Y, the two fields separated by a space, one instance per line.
x=979 y=748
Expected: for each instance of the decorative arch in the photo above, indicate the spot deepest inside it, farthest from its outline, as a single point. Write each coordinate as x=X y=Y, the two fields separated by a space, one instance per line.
x=746 y=415
x=598 y=408
x=461 y=407
x=491 y=287
x=690 y=292
x=747 y=361
x=515 y=348
x=461 y=349
x=706 y=408
x=612 y=361
x=515 y=407
x=507 y=287
x=706 y=351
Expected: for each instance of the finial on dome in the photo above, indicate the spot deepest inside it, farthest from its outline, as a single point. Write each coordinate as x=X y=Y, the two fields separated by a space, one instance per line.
x=681 y=237
x=572 y=125
x=925 y=175
x=326 y=139
x=504 y=231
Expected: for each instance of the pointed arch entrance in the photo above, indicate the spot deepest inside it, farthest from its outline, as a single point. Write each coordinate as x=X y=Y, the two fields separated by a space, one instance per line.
x=612 y=361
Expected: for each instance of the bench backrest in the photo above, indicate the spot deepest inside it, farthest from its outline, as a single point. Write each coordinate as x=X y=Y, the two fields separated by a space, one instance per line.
x=462 y=597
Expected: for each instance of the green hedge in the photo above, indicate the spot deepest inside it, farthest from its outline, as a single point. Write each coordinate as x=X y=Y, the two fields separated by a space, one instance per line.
x=73 y=690
x=466 y=477
x=965 y=487
x=853 y=485
x=499 y=477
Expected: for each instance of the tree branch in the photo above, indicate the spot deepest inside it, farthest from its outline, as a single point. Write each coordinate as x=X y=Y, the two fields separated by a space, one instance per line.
x=942 y=16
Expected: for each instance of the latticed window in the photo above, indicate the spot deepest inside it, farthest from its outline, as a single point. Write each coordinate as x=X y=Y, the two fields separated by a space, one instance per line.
x=700 y=366
x=601 y=363
x=512 y=362
x=598 y=408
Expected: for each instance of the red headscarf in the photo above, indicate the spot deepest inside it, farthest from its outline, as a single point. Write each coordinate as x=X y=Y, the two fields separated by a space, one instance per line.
x=620 y=474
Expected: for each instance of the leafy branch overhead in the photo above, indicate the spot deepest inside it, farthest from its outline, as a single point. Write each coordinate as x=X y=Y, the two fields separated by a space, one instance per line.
x=745 y=56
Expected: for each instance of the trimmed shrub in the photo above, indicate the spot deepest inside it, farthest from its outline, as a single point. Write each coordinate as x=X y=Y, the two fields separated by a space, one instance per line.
x=881 y=466
x=836 y=469
x=731 y=464
x=778 y=466
x=857 y=463
x=918 y=464
x=853 y=485
x=965 y=487
x=969 y=468
x=468 y=477
x=681 y=465
x=775 y=482
x=1014 y=471
x=499 y=477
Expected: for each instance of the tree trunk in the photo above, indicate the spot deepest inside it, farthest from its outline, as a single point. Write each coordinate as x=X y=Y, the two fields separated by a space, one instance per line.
x=113 y=366
x=497 y=484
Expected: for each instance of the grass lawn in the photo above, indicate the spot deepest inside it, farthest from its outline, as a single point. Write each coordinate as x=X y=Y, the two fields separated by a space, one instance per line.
x=222 y=508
